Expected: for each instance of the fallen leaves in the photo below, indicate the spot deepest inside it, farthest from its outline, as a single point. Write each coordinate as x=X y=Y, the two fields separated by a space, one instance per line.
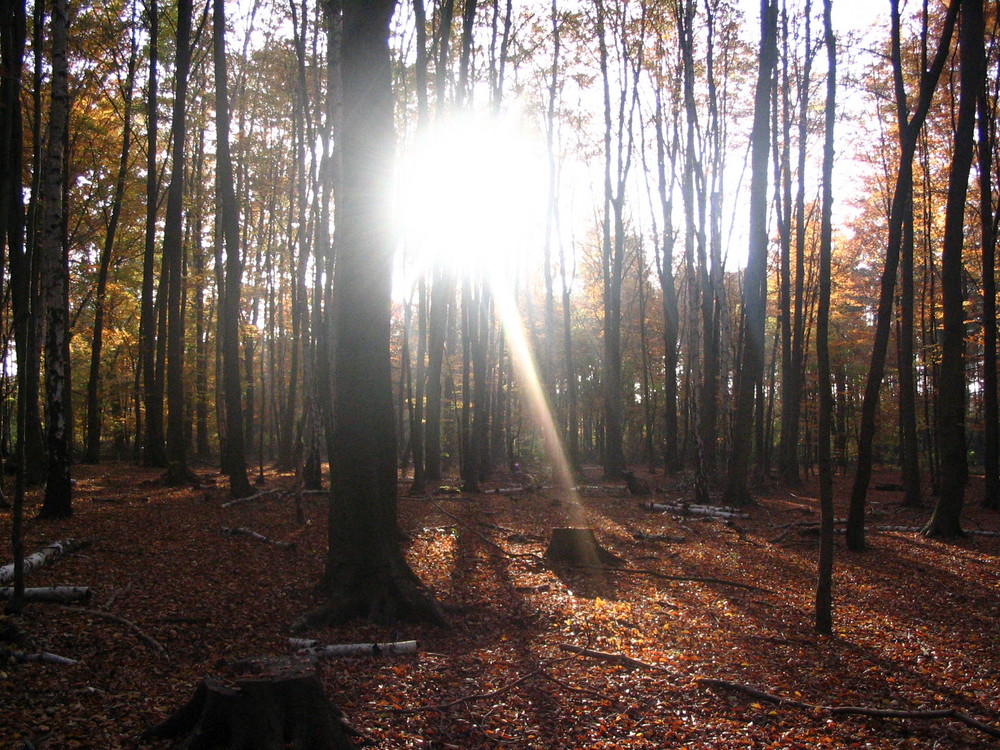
x=917 y=625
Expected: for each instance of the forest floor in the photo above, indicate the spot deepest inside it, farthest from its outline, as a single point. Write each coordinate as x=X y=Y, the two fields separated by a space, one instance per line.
x=917 y=621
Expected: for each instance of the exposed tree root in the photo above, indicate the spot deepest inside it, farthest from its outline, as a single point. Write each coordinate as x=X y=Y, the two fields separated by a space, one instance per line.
x=143 y=636
x=881 y=713
x=761 y=695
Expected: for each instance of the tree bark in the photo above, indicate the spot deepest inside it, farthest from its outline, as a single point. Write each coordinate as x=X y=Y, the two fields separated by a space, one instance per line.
x=751 y=369
x=951 y=392
x=173 y=259
x=93 y=449
x=903 y=186
x=366 y=574
x=55 y=280
x=229 y=318
x=153 y=450
x=824 y=584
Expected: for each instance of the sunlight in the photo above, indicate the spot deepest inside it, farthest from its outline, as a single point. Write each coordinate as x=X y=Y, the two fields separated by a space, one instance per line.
x=472 y=195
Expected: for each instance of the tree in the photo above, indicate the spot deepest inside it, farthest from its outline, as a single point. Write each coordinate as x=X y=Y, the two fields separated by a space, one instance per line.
x=13 y=32
x=900 y=200
x=987 y=139
x=153 y=447
x=173 y=259
x=755 y=279
x=950 y=404
x=94 y=415
x=55 y=280
x=366 y=574
x=229 y=320
x=824 y=585
x=618 y=151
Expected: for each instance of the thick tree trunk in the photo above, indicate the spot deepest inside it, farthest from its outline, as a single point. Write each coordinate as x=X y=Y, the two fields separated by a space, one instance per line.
x=951 y=392
x=366 y=574
x=13 y=34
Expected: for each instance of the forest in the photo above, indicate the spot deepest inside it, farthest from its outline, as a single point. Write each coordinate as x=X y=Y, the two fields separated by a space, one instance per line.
x=593 y=344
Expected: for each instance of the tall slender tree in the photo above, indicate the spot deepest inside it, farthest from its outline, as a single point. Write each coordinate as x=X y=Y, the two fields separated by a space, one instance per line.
x=92 y=453
x=824 y=585
x=900 y=200
x=153 y=447
x=751 y=369
x=229 y=318
x=173 y=258
x=55 y=278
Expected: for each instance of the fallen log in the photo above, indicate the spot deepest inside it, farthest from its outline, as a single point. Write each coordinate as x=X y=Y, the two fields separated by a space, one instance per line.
x=241 y=531
x=314 y=647
x=56 y=594
x=47 y=554
x=40 y=657
x=251 y=498
x=259 y=704
x=695 y=510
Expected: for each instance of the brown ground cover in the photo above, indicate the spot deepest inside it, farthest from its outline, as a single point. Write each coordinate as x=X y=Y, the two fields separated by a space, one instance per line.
x=917 y=621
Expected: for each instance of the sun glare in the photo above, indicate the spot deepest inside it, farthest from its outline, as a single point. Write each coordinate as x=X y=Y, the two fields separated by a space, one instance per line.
x=472 y=195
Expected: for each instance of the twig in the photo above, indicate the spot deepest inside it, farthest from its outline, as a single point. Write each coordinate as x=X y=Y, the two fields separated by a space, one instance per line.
x=147 y=639
x=882 y=713
x=250 y=498
x=620 y=659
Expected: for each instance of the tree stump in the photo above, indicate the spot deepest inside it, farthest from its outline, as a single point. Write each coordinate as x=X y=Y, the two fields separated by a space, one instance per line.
x=260 y=704
x=578 y=546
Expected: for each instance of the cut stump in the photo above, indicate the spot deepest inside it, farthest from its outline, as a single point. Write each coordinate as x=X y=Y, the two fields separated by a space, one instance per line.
x=259 y=704
x=578 y=546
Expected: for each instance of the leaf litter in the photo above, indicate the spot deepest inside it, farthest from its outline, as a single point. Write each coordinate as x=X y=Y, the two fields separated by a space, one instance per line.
x=917 y=622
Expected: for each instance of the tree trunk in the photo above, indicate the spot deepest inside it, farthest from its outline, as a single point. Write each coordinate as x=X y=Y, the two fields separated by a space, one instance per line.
x=229 y=317
x=988 y=227
x=366 y=574
x=153 y=446
x=173 y=260
x=751 y=369
x=824 y=585
x=13 y=34
x=904 y=343
x=93 y=450
x=904 y=182
x=55 y=280
x=951 y=393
